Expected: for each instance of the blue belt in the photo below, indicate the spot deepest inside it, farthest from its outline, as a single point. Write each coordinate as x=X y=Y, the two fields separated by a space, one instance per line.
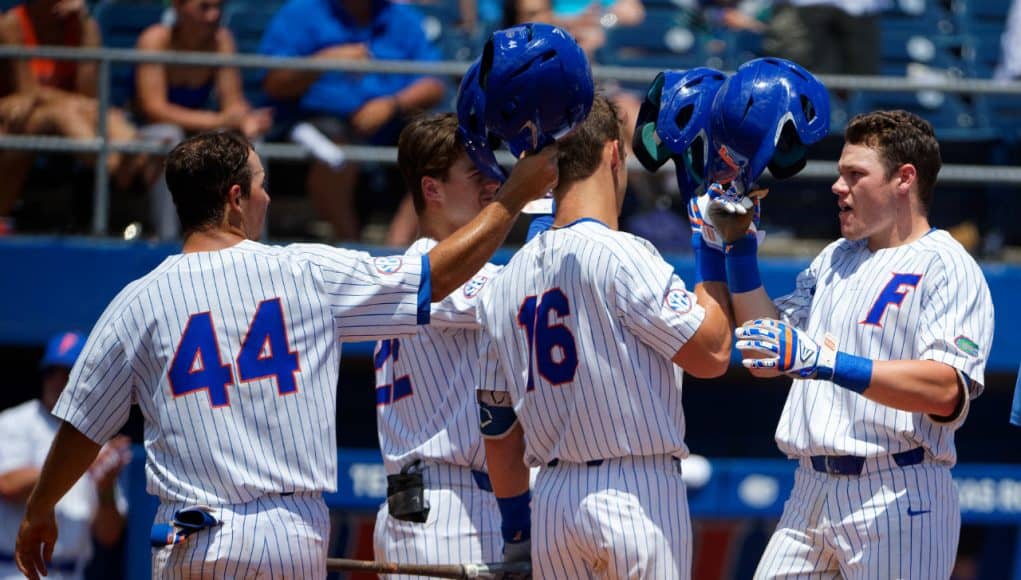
x=853 y=464
x=63 y=566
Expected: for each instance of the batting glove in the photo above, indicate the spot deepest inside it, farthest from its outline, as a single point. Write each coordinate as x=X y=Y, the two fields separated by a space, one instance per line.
x=794 y=353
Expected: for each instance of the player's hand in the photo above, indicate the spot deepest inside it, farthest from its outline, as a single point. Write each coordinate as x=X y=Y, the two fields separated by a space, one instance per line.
x=109 y=462
x=256 y=122
x=532 y=176
x=36 y=539
x=732 y=215
x=787 y=349
x=374 y=114
x=517 y=552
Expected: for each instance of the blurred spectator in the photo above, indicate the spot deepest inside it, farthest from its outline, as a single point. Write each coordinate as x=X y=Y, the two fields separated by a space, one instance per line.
x=47 y=97
x=177 y=100
x=736 y=14
x=351 y=107
x=92 y=507
x=827 y=36
x=1009 y=67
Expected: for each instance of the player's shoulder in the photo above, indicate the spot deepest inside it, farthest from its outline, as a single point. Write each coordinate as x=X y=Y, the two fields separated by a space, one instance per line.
x=421 y=247
x=945 y=252
x=621 y=246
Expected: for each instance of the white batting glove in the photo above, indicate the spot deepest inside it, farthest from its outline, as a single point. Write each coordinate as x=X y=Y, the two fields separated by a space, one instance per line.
x=706 y=211
x=788 y=349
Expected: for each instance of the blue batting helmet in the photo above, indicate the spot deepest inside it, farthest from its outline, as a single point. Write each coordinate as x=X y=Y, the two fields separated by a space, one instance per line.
x=478 y=142
x=62 y=350
x=537 y=83
x=764 y=116
x=674 y=122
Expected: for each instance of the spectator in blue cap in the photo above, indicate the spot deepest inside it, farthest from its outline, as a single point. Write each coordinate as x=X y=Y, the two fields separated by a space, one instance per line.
x=91 y=508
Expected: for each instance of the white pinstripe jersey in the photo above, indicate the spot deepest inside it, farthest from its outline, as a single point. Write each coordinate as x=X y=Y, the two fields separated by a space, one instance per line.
x=926 y=300
x=233 y=358
x=425 y=384
x=581 y=327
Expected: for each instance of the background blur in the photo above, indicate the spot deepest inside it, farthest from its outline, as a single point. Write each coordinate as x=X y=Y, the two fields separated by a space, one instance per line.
x=73 y=231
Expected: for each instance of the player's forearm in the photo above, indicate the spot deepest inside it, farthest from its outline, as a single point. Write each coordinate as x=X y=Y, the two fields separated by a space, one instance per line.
x=505 y=459
x=70 y=455
x=752 y=305
x=917 y=386
x=457 y=258
x=707 y=353
x=15 y=485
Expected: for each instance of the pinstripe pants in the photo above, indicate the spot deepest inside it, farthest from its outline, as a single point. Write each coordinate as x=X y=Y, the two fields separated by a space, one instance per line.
x=890 y=522
x=463 y=524
x=273 y=536
x=626 y=518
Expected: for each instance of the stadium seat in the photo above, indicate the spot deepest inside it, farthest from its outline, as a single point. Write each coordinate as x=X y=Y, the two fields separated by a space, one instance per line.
x=120 y=24
x=248 y=21
x=664 y=40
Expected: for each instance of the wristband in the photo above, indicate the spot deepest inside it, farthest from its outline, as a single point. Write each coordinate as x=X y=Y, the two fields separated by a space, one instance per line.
x=710 y=264
x=852 y=372
x=516 y=515
x=743 y=265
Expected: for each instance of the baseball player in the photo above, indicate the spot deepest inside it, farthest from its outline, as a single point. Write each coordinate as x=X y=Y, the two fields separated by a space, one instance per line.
x=441 y=507
x=92 y=508
x=886 y=335
x=587 y=331
x=229 y=350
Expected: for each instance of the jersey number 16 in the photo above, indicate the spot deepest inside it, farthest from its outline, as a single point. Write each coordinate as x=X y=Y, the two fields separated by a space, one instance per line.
x=550 y=346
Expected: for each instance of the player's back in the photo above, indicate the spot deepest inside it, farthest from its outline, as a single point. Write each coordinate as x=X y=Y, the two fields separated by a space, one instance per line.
x=233 y=359
x=576 y=324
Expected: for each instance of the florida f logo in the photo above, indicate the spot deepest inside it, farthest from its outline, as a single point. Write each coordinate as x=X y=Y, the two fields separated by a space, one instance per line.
x=892 y=295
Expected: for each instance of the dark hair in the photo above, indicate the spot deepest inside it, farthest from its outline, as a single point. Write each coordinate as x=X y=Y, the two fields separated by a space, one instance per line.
x=900 y=137
x=581 y=151
x=201 y=170
x=428 y=146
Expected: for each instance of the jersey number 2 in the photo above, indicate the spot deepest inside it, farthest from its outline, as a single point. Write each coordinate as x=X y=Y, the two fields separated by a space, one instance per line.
x=265 y=352
x=401 y=387
x=550 y=346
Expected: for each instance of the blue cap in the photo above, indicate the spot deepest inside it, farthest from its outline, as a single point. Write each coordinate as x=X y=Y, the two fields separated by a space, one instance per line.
x=63 y=349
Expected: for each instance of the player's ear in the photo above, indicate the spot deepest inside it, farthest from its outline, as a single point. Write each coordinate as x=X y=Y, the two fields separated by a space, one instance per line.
x=907 y=175
x=616 y=157
x=431 y=189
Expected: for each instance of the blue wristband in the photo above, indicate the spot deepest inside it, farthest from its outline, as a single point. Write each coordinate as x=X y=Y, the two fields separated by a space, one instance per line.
x=516 y=515
x=743 y=265
x=852 y=372
x=710 y=264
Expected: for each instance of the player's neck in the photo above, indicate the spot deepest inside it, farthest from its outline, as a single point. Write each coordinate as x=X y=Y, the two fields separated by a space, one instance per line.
x=590 y=198
x=210 y=240
x=906 y=229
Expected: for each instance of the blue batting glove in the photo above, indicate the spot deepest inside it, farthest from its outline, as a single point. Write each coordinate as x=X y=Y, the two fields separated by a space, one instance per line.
x=794 y=353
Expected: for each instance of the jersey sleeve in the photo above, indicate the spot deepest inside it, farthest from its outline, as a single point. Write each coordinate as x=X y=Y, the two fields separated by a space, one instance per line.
x=18 y=449
x=491 y=372
x=956 y=325
x=460 y=308
x=654 y=303
x=371 y=298
x=98 y=395
x=793 y=308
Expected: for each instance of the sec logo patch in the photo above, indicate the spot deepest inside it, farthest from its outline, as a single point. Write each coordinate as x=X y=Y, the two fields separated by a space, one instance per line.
x=475 y=285
x=679 y=301
x=388 y=265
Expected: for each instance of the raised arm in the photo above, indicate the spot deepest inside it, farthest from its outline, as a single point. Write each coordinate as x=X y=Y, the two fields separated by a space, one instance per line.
x=457 y=258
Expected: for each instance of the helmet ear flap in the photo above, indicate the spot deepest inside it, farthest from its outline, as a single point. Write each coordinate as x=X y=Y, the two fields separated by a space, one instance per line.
x=648 y=148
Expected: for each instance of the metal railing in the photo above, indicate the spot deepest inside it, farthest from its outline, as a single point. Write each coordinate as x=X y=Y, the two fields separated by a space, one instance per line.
x=106 y=57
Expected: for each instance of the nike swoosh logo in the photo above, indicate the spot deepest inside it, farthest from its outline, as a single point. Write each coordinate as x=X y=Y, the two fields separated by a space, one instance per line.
x=912 y=512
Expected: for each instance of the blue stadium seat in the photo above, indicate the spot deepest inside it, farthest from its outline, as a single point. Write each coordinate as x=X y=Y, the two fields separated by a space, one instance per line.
x=905 y=42
x=984 y=48
x=248 y=21
x=120 y=24
x=955 y=117
x=664 y=40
